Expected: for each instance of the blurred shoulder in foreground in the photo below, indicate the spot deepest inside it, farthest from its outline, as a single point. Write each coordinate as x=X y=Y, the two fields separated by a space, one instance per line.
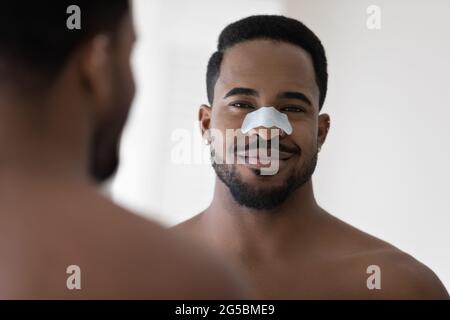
x=66 y=87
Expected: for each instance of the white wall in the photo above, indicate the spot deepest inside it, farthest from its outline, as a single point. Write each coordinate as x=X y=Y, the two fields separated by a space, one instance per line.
x=384 y=167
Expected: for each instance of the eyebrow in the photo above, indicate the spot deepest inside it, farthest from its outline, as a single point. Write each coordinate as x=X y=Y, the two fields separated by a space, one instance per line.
x=282 y=95
x=294 y=95
x=242 y=91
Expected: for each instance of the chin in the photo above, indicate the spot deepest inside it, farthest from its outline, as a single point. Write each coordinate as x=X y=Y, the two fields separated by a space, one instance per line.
x=253 y=177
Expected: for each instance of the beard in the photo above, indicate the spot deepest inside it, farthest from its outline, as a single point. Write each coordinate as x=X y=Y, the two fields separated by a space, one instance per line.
x=253 y=197
x=104 y=160
x=105 y=143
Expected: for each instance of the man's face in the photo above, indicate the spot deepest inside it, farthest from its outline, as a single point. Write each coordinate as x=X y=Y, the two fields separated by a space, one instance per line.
x=277 y=74
x=105 y=146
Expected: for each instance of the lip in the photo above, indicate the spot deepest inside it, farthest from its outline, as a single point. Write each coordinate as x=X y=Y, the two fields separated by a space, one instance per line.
x=258 y=162
x=282 y=156
x=285 y=155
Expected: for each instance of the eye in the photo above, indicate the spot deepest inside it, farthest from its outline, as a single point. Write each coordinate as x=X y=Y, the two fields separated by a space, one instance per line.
x=241 y=105
x=293 y=109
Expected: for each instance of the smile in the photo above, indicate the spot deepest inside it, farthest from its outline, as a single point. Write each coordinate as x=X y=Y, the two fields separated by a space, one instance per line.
x=258 y=161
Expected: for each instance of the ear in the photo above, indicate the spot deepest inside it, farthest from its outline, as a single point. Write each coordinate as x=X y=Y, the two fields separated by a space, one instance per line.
x=324 y=127
x=204 y=118
x=96 y=69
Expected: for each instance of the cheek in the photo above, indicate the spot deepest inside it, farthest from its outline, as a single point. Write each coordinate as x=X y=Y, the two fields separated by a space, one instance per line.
x=128 y=81
x=122 y=97
x=228 y=126
x=222 y=119
x=305 y=135
x=131 y=89
x=124 y=94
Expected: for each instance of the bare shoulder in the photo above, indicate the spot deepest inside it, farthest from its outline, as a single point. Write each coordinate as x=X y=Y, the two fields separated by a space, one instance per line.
x=157 y=263
x=189 y=227
x=114 y=253
x=389 y=273
x=376 y=269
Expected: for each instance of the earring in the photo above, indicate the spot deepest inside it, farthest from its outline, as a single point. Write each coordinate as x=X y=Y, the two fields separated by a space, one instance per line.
x=206 y=141
x=319 y=148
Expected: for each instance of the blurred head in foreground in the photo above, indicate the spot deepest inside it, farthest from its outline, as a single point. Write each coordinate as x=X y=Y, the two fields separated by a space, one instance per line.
x=66 y=83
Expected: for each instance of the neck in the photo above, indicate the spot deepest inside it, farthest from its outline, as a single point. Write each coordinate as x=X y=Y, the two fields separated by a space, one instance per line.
x=255 y=232
x=42 y=140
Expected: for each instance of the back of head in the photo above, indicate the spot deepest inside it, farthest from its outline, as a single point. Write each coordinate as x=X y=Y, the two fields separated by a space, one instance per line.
x=39 y=40
x=38 y=37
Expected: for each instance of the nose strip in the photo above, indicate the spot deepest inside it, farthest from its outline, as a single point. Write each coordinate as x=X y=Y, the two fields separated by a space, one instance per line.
x=267 y=117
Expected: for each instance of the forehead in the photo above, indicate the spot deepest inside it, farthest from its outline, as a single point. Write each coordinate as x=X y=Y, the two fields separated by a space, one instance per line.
x=269 y=67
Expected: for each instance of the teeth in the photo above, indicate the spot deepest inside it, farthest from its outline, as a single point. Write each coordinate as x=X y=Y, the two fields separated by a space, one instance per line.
x=253 y=154
x=253 y=151
x=261 y=159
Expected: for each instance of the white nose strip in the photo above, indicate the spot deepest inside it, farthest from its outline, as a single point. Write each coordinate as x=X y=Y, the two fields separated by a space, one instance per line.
x=266 y=117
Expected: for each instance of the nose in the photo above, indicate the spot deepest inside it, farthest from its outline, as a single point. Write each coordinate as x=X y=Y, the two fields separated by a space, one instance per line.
x=268 y=133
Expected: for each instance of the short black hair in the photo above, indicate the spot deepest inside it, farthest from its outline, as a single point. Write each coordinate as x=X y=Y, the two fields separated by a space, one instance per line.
x=34 y=36
x=272 y=27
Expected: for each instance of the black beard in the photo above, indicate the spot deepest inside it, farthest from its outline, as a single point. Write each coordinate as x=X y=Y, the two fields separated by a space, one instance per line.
x=251 y=197
x=104 y=161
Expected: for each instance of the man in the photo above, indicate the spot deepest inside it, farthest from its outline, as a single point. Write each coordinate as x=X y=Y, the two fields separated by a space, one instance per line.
x=271 y=225
x=64 y=98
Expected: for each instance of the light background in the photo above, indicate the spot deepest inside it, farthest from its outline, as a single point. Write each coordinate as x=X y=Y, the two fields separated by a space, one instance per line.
x=384 y=168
